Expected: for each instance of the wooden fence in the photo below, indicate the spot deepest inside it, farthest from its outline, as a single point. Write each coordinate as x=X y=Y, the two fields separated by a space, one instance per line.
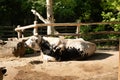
x=35 y=26
x=67 y=29
x=7 y=31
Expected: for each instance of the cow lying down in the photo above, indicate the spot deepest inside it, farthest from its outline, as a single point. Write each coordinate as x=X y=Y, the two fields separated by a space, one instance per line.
x=60 y=49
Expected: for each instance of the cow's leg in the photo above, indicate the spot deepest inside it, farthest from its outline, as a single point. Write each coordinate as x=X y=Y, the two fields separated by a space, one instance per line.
x=46 y=58
x=42 y=56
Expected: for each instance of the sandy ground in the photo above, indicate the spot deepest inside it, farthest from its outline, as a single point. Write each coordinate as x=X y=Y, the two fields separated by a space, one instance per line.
x=103 y=65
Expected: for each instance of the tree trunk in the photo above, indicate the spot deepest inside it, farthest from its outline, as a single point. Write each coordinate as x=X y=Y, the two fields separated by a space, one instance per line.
x=50 y=17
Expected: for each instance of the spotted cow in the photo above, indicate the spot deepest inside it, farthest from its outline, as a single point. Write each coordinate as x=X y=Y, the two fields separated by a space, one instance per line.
x=60 y=49
x=70 y=49
x=38 y=43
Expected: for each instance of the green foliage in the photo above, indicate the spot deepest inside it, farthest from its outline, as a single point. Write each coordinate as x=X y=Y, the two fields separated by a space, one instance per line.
x=14 y=12
x=111 y=12
x=99 y=28
x=38 y=5
x=64 y=10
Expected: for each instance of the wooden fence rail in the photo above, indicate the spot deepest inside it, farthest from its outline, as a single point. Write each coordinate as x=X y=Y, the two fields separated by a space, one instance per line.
x=86 y=34
x=35 y=27
x=64 y=24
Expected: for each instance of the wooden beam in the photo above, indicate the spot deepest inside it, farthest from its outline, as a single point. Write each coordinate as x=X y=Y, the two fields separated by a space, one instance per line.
x=60 y=24
x=64 y=24
x=25 y=27
x=102 y=32
x=65 y=34
x=77 y=24
x=100 y=23
x=104 y=40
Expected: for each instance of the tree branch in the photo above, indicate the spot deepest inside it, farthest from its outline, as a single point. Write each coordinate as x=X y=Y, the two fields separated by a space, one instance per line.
x=39 y=16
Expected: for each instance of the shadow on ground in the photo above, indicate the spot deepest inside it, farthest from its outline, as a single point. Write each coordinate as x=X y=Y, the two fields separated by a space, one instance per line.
x=36 y=62
x=99 y=56
x=31 y=55
x=96 y=56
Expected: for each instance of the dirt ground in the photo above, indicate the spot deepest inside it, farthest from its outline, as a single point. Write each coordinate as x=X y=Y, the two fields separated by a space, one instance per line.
x=103 y=65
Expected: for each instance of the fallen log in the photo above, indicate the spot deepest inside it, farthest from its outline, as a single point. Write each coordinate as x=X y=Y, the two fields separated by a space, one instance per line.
x=13 y=48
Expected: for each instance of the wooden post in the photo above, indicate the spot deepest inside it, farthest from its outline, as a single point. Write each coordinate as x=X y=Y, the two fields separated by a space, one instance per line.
x=78 y=29
x=22 y=33
x=35 y=31
x=19 y=32
x=50 y=17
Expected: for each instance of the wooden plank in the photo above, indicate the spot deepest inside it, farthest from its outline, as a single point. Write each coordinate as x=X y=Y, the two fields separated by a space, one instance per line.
x=77 y=24
x=59 y=24
x=103 y=40
x=65 y=34
x=102 y=32
x=100 y=23
x=25 y=27
x=64 y=24
x=91 y=33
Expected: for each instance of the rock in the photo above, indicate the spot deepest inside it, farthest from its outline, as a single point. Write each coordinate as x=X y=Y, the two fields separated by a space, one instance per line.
x=2 y=72
x=13 y=48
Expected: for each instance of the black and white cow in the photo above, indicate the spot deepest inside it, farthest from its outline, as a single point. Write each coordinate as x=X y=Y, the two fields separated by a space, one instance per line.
x=70 y=49
x=55 y=49
x=38 y=43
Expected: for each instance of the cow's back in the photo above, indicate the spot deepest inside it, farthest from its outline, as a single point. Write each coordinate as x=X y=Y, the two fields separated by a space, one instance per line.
x=82 y=45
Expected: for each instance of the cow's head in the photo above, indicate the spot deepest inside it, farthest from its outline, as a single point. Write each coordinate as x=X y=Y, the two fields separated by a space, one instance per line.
x=37 y=43
x=33 y=42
